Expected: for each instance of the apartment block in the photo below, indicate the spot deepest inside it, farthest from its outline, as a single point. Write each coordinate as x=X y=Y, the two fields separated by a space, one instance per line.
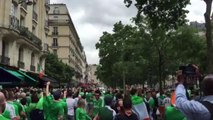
x=23 y=33
x=92 y=77
x=64 y=41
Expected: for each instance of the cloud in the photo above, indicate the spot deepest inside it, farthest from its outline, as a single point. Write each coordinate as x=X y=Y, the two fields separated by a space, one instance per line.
x=196 y=10
x=92 y=17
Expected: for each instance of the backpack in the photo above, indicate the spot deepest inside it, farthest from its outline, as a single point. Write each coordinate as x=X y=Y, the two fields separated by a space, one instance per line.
x=209 y=106
x=37 y=114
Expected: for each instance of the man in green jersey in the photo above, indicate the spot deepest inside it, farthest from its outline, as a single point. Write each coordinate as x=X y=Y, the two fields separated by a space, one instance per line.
x=97 y=102
x=7 y=111
x=89 y=99
x=10 y=101
x=56 y=108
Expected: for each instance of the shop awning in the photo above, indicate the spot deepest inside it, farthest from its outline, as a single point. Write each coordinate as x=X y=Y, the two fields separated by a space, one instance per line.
x=15 y=77
x=9 y=77
x=29 y=80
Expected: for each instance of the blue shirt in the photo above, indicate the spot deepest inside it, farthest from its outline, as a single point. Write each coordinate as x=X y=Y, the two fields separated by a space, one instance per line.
x=193 y=110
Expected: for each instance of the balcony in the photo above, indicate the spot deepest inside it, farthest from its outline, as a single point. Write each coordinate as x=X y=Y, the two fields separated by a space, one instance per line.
x=30 y=36
x=46 y=25
x=54 y=33
x=47 y=5
x=32 y=68
x=47 y=2
x=21 y=64
x=15 y=1
x=54 y=45
x=5 y=60
x=14 y=22
x=46 y=47
x=35 y=16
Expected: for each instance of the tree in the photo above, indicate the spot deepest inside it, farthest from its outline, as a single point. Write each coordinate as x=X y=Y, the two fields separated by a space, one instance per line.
x=57 y=69
x=169 y=14
x=163 y=17
x=207 y=17
x=141 y=51
x=116 y=53
x=166 y=14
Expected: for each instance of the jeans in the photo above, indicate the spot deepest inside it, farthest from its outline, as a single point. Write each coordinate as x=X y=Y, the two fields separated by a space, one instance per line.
x=69 y=117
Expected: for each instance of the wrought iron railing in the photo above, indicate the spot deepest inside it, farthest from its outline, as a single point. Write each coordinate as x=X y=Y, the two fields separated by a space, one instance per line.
x=46 y=47
x=26 y=33
x=47 y=2
x=55 y=45
x=54 y=33
x=14 y=22
x=46 y=24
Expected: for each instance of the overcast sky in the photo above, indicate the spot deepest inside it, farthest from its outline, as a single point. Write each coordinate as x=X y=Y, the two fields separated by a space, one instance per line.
x=92 y=17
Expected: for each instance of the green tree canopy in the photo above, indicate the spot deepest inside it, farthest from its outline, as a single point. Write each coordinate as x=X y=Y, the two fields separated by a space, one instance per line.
x=166 y=14
x=146 y=54
x=57 y=69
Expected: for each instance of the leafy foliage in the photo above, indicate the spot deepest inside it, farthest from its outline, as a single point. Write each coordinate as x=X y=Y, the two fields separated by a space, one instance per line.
x=166 y=14
x=145 y=54
x=57 y=69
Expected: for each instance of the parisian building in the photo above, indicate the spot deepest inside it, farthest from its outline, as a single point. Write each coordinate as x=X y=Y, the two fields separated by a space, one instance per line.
x=23 y=33
x=63 y=40
x=92 y=77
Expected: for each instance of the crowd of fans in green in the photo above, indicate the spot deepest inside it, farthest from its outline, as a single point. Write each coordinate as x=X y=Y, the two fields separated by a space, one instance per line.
x=86 y=104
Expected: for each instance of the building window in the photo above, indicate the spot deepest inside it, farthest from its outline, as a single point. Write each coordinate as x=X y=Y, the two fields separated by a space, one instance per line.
x=21 y=55
x=55 y=41
x=14 y=9
x=55 y=29
x=5 y=49
x=56 y=10
x=34 y=7
x=55 y=16
x=34 y=30
x=32 y=59
x=55 y=52
x=22 y=21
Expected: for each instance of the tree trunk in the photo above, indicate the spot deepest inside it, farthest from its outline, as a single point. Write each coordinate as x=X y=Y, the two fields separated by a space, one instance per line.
x=208 y=25
x=160 y=70
x=124 y=82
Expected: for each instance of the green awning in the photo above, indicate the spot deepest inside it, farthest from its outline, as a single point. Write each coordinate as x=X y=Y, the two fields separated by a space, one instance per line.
x=15 y=77
x=28 y=79
x=14 y=73
x=10 y=78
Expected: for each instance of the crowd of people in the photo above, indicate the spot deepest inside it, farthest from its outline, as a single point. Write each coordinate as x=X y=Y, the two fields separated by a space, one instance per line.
x=112 y=104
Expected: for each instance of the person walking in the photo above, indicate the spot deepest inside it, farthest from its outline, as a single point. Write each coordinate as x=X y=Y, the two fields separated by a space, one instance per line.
x=81 y=113
x=70 y=105
x=127 y=112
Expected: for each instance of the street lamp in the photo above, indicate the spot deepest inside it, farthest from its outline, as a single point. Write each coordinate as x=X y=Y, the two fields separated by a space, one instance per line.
x=28 y=2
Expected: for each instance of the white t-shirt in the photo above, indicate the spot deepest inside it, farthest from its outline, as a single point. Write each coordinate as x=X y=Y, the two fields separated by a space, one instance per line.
x=167 y=101
x=11 y=109
x=71 y=104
